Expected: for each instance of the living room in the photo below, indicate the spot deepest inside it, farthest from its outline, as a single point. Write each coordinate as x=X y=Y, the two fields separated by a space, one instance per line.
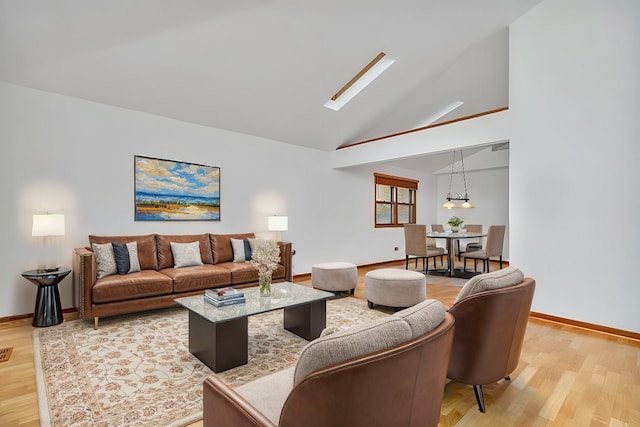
x=572 y=170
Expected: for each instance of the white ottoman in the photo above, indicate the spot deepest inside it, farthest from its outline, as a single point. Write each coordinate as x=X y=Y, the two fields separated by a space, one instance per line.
x=393 y=287
x=335 y=276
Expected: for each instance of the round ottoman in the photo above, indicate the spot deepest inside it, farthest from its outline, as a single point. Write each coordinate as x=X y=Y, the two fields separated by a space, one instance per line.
x=335 y=276
x=393 y=287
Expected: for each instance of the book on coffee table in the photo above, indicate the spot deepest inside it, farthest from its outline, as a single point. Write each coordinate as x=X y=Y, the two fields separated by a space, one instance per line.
x=224 y=293
x=224 y=302
x=223 y=297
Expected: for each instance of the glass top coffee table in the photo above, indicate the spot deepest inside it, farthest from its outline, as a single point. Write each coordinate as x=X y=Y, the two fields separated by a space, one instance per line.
x=218 y=336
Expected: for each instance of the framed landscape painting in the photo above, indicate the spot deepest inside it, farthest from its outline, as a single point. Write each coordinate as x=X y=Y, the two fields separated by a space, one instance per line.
x=173 y=190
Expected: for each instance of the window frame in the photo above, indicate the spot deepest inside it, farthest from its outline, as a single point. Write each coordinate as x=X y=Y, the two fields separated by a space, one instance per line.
x=394 y=182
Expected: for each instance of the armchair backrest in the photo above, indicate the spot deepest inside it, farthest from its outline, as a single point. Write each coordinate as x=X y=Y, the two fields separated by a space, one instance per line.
x=398 y=386
x=415 y=240
x=490 y=329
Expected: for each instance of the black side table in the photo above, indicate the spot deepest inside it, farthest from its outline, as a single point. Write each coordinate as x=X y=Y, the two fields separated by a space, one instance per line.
x=48 y=310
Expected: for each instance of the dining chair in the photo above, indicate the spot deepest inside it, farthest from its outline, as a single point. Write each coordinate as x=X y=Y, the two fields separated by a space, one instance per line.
x=493 y=249
x=470 y=245
x=416 y=245
x=437 y=228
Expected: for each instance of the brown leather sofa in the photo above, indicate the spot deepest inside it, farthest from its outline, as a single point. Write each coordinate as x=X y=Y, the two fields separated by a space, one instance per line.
x=398 y=385
x=158 y=283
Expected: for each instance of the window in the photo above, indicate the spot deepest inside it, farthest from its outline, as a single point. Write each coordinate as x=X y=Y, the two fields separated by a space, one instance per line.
x=395 y=202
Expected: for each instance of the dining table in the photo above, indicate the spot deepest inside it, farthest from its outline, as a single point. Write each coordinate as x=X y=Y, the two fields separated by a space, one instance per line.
x=451 y=238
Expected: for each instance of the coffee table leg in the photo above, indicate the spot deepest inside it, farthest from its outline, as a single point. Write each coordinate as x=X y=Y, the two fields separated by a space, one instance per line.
x=306 y=320
x=220 y=346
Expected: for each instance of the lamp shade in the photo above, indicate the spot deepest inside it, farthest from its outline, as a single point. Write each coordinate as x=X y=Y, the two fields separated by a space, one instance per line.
x=277 y=223
x=449 y=205
x=48 y=225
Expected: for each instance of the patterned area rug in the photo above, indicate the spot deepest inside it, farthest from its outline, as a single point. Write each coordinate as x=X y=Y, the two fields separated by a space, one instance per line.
x=136 y=370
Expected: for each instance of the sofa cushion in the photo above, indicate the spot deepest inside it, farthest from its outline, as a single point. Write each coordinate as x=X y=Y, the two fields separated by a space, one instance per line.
x=423 y=317
x=186 y=254
x=221 y=246
x=357 y=341
x=165 y=255
x=147 y=254
x=200 y=277
x=145 y=283
x=134 y=262
x=121 y=254
x=241 y=272
x=105 y=259
x=245 y=272
x=495 y=280
x=241 y=250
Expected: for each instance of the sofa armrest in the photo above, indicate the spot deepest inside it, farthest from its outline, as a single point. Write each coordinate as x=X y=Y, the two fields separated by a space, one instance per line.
x=84 y=277
x=222 y=406
x=286 y=259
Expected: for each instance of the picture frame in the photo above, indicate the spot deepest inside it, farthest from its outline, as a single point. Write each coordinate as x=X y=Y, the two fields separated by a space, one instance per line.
x=171 y=190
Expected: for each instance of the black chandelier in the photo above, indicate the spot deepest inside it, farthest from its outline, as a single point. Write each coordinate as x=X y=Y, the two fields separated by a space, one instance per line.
x=449 y=204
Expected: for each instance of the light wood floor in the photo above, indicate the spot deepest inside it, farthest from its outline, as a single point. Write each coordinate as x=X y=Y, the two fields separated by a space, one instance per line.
x=567 y=376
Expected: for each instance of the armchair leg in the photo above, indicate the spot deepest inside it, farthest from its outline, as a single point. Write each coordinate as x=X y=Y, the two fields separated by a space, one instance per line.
x=406 y=262
x=95 y=322
x=500 y=262
x=477 y=389
x=475 y=265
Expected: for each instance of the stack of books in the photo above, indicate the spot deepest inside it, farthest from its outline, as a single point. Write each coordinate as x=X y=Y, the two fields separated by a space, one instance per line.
x=224 y=296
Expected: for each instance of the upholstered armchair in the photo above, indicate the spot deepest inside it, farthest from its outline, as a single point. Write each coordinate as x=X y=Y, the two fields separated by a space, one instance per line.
x=389 y=372
x=491 y=312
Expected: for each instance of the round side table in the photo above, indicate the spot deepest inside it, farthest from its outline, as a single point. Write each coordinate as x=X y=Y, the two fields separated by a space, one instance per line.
x=48 y=310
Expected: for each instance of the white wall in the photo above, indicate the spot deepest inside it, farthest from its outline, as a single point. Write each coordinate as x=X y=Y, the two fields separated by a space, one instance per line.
x=574 y=174
x=66 y=155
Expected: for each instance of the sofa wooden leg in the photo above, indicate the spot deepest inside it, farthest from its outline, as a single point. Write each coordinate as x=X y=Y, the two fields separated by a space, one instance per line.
x=95 y=322
x=479 y=397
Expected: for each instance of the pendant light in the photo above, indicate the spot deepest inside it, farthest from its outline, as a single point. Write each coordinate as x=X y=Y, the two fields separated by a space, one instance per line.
x=449 y=204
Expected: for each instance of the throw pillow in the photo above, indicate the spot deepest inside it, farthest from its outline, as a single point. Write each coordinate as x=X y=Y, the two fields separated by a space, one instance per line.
x=134 y=261
x=241 y=250
x=105 y=259
x=488 y=281
x=121 y=254
x=186 y=254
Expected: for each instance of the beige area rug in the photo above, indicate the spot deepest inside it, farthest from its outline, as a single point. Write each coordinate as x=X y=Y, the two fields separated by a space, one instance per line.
x=136 y=370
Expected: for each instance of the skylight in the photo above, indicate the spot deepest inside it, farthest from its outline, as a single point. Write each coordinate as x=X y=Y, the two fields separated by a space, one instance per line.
x=361 y=80
x=440 y=114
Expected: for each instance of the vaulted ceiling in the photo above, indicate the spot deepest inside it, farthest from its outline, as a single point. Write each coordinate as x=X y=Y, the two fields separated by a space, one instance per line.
x=265 y=67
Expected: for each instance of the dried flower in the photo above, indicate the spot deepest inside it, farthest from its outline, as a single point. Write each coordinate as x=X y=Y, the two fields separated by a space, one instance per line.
x=265 y=256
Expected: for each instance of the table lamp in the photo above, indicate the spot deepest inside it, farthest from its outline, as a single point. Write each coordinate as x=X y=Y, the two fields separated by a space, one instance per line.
x=47 y=226
x=278 y=223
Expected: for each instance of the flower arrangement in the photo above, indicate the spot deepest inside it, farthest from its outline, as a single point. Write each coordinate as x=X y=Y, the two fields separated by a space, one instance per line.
x=265 y=257
x=455 y=222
